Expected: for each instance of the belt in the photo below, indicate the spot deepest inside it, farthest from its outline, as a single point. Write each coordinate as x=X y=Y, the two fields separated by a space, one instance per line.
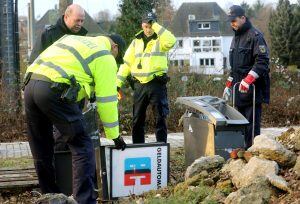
x=55 y=86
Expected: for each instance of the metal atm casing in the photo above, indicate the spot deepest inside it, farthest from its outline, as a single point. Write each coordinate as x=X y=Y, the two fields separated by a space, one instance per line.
x=211 y=127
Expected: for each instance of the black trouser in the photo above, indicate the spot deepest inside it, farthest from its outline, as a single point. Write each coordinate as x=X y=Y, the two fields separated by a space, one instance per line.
x=155 y=94
x=247 y=112
x=60 y=145
x=44 y=109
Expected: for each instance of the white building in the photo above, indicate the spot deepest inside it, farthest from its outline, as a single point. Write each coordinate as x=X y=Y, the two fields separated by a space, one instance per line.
x=203 y=39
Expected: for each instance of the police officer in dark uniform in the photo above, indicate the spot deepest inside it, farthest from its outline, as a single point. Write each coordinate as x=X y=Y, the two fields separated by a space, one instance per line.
x=70 y=23
x=249 y=61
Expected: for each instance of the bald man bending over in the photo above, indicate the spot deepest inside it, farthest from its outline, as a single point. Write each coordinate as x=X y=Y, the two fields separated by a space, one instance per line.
x=70 y=23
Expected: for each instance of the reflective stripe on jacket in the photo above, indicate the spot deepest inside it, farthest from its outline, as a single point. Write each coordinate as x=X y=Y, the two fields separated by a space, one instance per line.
x=90 y=61
x=144 y=64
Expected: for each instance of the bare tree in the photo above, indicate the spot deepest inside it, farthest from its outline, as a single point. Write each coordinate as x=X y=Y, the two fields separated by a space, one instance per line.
x=63 y=4
x=164 y=10
x=103 y=15
x=261 y=21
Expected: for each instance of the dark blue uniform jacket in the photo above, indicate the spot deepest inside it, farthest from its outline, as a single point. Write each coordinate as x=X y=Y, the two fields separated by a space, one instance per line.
x=249 y=51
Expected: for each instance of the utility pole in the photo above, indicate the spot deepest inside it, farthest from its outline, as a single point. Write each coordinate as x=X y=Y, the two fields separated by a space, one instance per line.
x=31 y=26
x=10 y=67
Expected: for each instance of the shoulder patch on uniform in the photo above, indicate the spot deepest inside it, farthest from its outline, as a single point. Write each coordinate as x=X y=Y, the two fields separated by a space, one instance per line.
x=262 y=48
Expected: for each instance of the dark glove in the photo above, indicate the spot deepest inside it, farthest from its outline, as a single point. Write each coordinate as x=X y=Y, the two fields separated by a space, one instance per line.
x=93 y=97
x=119 y=143
x=149 y=17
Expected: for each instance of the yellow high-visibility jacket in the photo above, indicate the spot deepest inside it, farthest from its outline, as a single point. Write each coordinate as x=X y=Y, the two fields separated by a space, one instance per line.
x=145 y=64
x=89 y=59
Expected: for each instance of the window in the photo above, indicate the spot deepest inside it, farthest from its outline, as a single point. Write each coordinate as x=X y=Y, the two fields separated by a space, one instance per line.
x=207 y=62
x=216 y=42
x=206 y=42
x=181 y=62
x=207 y=45
x=207 y=49
x=196 y=43
x=192 y=17
x=175 y=63
x=203 y=26
x=206 y=26
x=201 y=62
x=224 y=62
x=180 y=43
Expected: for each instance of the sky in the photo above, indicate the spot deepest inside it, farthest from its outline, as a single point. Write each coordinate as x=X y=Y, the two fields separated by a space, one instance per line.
x=94 y=6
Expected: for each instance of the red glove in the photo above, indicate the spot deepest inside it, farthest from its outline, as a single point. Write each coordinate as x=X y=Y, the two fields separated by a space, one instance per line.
x=227 y=90
x=229 y=82
x=246 y=82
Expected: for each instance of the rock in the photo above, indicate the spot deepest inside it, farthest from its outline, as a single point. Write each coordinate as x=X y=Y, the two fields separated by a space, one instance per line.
x=278 y=182
x=208 y=182
x=258 y=192
x=193 y=188
x=204 y=174
x=157 y=195
x=290 y=139
x=225 y=186
x=296 y=201
x=58 y=198
x=195 y=180
x=256 y=167
x=13 y=199
x=296 y=139
x=140 y=201
x=297 y=167
x=233 y=167
x=215 y=197
x=269 y=148
x=204 y=163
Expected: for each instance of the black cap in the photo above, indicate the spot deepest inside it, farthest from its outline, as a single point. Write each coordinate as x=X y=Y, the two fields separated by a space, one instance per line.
x=121 y=46
x=148 y=16
x=235 y=11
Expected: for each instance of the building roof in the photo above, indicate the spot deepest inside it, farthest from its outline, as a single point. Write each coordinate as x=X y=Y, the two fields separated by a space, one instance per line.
x=52 y=15
x=203 y=11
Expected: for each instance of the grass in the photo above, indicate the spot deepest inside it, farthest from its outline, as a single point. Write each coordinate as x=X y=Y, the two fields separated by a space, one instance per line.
x=194 y=190
x=16 y=163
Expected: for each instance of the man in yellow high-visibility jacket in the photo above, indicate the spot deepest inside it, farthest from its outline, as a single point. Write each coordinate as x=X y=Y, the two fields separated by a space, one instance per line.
x=72 y=68
x=146 y=61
